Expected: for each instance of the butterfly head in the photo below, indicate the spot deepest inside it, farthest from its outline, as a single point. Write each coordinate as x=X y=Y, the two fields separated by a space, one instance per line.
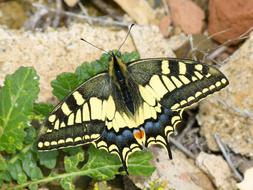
x=117 y=68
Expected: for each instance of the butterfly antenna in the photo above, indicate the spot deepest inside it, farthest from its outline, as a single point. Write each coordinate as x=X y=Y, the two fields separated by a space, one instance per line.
x=128 y=32
x=95 y=46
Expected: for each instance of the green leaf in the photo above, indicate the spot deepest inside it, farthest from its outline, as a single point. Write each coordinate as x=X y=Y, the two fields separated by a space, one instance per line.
x=70 y=165
x=64 y=84
x=88 y=70
x=33 y=186
x=17 y=96
x=28 y=162
x=48 y=159
x=43 y=109
x=71 y=162
x=101 y=165
x=17 y=173
x=30 y=166
x=31 y=135
x=36 y=173
x=139 y=164
x=129 y=57
x=3 y=164
x=67 y=183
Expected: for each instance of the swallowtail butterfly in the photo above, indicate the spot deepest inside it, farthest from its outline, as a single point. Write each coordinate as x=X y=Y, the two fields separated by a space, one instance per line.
x=131 y=106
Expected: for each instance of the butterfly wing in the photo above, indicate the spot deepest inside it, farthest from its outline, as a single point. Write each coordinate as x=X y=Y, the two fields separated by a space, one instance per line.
x=166 y=87
x=174 y=83
x=160 y=89
x=80 y=117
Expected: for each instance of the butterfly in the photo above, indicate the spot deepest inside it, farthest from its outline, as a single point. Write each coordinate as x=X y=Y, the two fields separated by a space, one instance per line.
x=130 y=106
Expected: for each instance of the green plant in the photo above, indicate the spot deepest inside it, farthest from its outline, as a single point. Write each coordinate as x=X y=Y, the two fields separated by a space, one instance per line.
x=21 y=165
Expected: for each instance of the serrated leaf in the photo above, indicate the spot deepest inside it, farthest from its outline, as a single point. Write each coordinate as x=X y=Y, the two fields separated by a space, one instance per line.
x=30 y=136
x=71 y=162
x=36 y=173
x=16 y=172
x=64 y=84
x=139 y=163
x=48 y=159
x=42 y=108
x=70 y=165
x=101 y=165
x=17 y=96
x=33 y=187
x=5 y=176
x=88 y=70
x=3 y=164
x=129 y=57
x=28 y=162
x=67 y=183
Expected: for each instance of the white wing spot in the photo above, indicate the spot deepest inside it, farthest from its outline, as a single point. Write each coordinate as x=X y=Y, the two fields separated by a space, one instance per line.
x=65 y=109
x=79 y=98
x=165 y=67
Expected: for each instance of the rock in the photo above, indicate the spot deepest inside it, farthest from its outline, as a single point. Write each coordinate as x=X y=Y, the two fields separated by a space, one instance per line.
x=247 y=183
x=164 y=26
x=229 y=113
x=217 y=169
x=230 y=20
x=54 y=52
x=203 y=4
x=71 y=3
x=12 y=14
x=139 y=10
x=187 y=15
x=177 y=41
x=150 y=43
x=179 y=173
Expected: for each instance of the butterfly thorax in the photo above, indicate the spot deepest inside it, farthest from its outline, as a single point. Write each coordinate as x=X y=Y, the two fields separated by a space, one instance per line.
x=118 y=74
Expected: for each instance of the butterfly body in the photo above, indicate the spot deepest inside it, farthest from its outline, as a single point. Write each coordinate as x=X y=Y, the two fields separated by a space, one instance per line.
x=131 y=106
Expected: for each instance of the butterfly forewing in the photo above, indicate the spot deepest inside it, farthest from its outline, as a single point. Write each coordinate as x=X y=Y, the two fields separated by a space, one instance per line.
x=175 y=83
x=80 y=117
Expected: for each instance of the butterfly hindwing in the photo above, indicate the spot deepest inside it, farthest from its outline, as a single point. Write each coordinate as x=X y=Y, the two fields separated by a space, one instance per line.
x=125 y=142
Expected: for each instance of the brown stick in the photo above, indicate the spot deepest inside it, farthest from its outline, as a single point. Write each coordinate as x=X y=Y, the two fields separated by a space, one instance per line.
x=98 y=20
x=223 y=149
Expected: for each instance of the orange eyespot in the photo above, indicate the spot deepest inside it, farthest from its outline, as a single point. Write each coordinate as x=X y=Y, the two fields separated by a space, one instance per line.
x=139 y=134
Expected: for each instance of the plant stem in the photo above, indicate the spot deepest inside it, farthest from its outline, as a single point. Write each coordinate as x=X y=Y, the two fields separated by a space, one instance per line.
x=24 y=150
x=60 y=176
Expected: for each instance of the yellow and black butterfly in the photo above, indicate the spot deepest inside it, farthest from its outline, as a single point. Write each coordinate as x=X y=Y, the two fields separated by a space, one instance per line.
x=131 y=106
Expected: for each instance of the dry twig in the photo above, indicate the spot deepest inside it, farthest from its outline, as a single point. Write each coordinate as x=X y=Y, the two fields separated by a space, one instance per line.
x=98 y=20
x=33 y=21
x=58 y=11
x=105 y=8
x=182 y=148
x=188 y=127
x=225 y=153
